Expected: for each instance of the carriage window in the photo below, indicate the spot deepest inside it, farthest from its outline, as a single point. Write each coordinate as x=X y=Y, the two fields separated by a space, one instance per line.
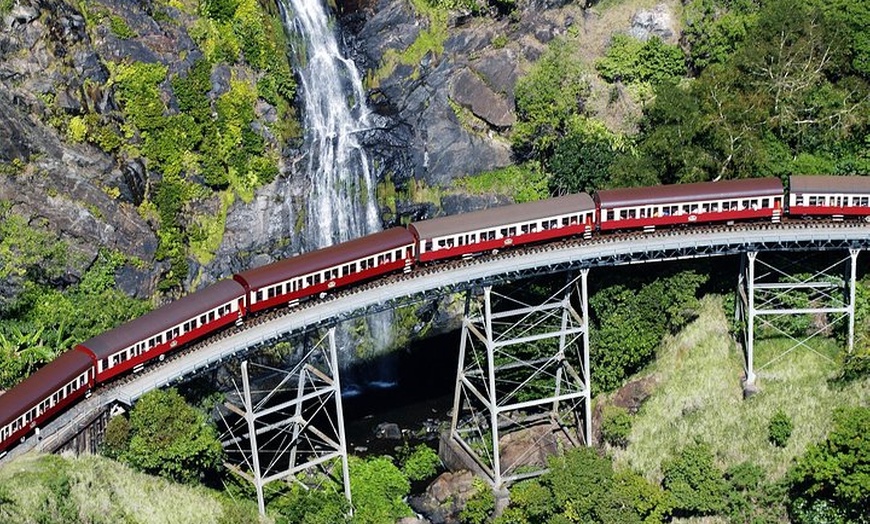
x=211 y=316
x=427 y=246
x=260 y=295
x=765 y=202
x=864 y=201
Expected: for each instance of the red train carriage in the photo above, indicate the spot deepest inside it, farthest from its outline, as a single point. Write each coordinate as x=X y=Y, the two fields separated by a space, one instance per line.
x=308 y=274
x=836 y=196
x=648 y=207
x=457 y=235
x=188 y=318
x=43 y=394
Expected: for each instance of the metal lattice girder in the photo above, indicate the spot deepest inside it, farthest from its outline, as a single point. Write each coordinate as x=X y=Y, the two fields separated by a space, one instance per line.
x=293 y=425
x=522 y=387
x=769 y=292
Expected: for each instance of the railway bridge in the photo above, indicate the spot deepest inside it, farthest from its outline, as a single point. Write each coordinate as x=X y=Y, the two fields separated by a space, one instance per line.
x=484 y=351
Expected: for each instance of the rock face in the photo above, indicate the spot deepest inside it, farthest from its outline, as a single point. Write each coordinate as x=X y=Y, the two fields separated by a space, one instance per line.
x=45 y=55
x=452 y=108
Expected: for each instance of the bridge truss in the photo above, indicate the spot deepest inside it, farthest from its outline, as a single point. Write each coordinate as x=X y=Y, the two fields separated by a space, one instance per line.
x=773 y=290
x=291 y=423
x=522 y=387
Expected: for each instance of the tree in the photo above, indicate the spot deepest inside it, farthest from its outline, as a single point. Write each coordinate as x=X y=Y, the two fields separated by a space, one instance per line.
x=422 y=463
x=582 y=158
x=697 y=486
x=479 y=506
x=615 y=426
x=171 y=439
x=546 y=99
x=833 y=477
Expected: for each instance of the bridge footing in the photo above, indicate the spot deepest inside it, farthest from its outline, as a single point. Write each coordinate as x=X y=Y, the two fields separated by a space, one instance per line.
x=522 y=388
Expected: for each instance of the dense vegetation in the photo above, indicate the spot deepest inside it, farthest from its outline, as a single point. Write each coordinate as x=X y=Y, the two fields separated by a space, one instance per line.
x=44 y=311
x=766 y=88
x=200 y=140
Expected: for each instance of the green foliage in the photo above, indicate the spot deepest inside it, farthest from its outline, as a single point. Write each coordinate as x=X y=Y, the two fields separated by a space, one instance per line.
x=615 y=426
x=480 y=505
x=117 y=438
x=779 y=429
x=694 y=482
x=524 y=182
x=422 y=463
x=547 y=98
x=630 y=60
x=785 y=97
x=531 y=501
x=856 y=366
x=42 y=322
x=378 y=489
x=171 y=439
x=28 y=251
x=298 y=505
x=582 y=158
x=6 y=6
x=831 y=479
x=118 y=26
x=713 y=32
x=631 y=320
x=850 y=21
x=582 y=486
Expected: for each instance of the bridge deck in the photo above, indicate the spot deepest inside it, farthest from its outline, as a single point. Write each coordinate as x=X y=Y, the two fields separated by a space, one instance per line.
x=665 y=245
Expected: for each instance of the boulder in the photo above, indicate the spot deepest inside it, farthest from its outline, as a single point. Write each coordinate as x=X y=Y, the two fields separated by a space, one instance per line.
x=658 y=21
x=468 y=90
x=388 y=431
x=445 y=497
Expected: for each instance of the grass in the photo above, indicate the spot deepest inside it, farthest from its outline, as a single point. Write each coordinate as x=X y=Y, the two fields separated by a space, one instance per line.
x=699 y=396
x=100 y=490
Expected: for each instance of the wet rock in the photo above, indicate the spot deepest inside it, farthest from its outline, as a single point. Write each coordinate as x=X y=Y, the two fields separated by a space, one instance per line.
x=388 y=431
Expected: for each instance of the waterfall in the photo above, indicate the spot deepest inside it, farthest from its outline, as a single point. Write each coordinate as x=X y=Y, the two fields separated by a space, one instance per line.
x=341 y=201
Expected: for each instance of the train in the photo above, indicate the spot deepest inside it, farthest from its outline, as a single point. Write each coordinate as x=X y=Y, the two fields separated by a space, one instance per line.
x=132 y=345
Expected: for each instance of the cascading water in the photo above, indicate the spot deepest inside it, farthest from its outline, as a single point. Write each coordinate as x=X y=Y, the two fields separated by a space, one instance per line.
x=341 y=202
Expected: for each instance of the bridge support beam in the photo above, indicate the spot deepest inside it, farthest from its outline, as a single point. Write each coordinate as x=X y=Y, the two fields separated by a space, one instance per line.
x=771 y=293
x=272 y=434
x=522 y=387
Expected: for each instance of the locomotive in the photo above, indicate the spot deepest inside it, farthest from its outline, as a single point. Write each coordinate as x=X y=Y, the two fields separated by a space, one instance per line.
x=287 y=282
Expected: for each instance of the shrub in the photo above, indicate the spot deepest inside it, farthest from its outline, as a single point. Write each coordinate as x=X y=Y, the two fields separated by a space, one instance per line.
x=480 y=506
x=378 y=489
x=117 y=438
x=831 y=477
x=694 y=482
x=615 y=426
x=422 y=463
x=779 y=429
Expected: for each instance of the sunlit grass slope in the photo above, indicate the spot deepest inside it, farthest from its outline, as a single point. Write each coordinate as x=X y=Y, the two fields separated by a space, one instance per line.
x=698 y=396
x=95 y=490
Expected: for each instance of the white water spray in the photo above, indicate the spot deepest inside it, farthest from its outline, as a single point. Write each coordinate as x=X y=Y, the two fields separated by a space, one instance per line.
x=341 y=203
x=341 y=200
